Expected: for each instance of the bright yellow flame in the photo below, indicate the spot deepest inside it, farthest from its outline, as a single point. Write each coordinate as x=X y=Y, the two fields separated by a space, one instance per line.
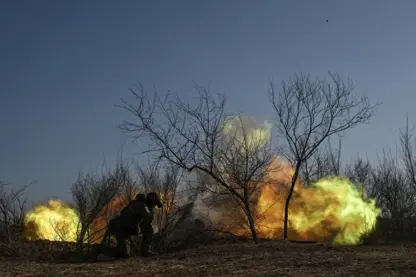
x=332 y=209
x=54 y=221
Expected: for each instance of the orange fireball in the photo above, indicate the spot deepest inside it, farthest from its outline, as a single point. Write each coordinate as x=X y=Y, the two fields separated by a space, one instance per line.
x=332 y=209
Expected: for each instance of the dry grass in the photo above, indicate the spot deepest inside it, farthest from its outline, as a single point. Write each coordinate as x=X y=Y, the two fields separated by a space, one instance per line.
x=241 y=259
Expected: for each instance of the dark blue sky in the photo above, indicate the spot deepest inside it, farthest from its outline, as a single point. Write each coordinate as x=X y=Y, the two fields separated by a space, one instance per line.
x=64 y=64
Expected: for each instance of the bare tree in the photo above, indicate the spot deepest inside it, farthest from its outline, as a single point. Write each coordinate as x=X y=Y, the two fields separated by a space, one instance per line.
x=12 y=209
x=92 y=193
x=309 y=111
x=199 y=137
x=323 y=162
x=395 y=194
x=61 y=229
x=128 y=188
x=392 y=183
x=165 y=181
x=149 y=178
x=360 y=173
x=407 y=149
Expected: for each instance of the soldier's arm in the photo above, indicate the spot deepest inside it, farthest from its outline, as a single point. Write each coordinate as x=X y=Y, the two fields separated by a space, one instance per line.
x=146 y=224
x=146 y=215
x=141 y=210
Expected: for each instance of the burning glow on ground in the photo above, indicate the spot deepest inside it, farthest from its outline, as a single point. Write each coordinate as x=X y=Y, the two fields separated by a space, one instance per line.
x=54 y=221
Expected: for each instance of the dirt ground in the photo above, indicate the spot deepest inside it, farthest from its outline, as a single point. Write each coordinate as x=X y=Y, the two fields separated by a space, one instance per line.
x=241 y=259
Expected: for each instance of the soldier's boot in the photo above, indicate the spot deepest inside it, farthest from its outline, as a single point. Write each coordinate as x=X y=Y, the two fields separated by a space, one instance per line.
x=106 y=250
x=147 y=236
x=134 y=246
x=95 y=251
x=145 y=252
x=148 y=253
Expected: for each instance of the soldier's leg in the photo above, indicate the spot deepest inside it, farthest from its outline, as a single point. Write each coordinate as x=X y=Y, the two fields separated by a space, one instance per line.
x=120 y=250
x=104 y=247
x=134 y=245
x=147 y=232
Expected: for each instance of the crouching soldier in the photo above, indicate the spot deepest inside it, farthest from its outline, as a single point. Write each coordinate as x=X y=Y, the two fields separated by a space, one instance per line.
x=139 y=212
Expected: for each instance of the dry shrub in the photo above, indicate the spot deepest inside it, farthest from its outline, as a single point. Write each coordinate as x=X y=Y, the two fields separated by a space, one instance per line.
x=12 y=211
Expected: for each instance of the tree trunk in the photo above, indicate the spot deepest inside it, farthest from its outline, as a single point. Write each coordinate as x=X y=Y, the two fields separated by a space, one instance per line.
x=81 y=237
x=251 y=224
x=253 y=229
x=289 y=197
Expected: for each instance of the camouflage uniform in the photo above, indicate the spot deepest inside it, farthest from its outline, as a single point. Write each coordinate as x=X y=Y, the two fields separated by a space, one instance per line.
x=137 y=212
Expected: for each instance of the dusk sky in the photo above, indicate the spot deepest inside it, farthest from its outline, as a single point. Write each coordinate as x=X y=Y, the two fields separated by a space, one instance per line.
x=65 y=64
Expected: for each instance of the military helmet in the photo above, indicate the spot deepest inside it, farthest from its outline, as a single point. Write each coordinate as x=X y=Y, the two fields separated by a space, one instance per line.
x=141 y=197
x=153 y=197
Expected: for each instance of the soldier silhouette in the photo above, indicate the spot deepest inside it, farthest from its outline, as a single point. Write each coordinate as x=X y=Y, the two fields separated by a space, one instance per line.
x=139 y=212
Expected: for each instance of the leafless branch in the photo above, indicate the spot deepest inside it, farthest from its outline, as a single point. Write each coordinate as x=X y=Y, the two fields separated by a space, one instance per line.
x=12 y=210
x=92 y=193
x=395 y=193
x=407 y=149
x=309 y=111
x=201 y=137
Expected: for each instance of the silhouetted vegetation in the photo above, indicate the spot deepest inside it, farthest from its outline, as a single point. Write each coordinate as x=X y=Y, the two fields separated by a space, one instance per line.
x=201 y=152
